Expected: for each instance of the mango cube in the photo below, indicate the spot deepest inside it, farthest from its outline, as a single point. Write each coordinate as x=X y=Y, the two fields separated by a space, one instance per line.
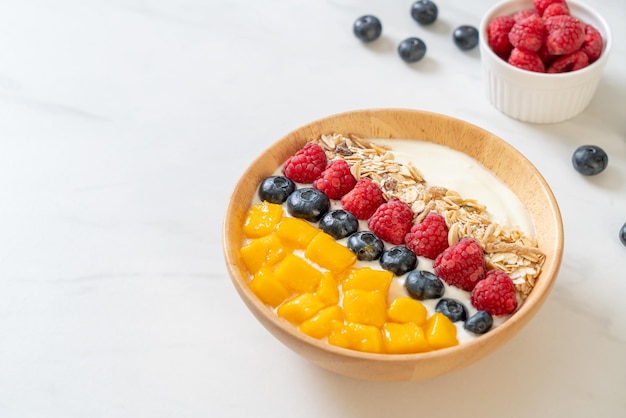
x=440 y=331
x=368 y=279
x=267 y=288
x=267 y=250
x=403 y=310
x=404 y=338
x=296 y=232
x=354 y=336
x=297 y=274
x=261 y=219
x=328 y=289
x=300 y=308
x=363 y=307
x=328 y=253
x=319 y=325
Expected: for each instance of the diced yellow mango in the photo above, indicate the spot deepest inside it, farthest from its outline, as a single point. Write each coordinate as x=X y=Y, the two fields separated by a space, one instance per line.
x=328 y=253
x=440 y=331
x=328 y=289
x=261 y=219
x=368 y=308
x=300 y=308
x=403 y=310
x=297 y=274
x=296 y=232
x=269 y=290
x=264 y=251
x=354 y=336
x=404 y=338
x=368 y=279
x=319 y=325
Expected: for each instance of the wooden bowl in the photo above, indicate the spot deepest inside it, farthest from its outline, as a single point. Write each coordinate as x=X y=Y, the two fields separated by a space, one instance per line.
x=492 y=152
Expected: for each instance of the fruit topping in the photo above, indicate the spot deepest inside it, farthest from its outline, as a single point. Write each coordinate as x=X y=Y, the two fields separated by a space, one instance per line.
x=336 y=180
x=261 y=219
x=367 y=28
x=307 y=164
x=366 y=245
x=424 y=12
x=328 y=253
x=403 y=310
x=276 y=189
x=461 y=265
x=391 y=221
x=412 y=49
x=398 y=260
x=590 y=160
x=440 y=331
x=363 y=200
x=429 y=237
x=452 y=308
x=479 y=323
x=495 y=294
x=308 y=203
x=339 y=223
x=465 y=37
x=422 y=285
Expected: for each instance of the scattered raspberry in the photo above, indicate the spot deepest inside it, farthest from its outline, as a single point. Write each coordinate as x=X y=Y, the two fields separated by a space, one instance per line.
x=527 y=60
x=564 y=34
x=428 y=238
x=391 y=221
x=336 y=180
x=570 y=62
x=306 y=165
x=363 y=200
x=461 y=265
x=555 y=9
x=527 y=34
x=542 y=5
x=523 y=14
x=498 y=35
x=495 y=294
x=592 y=46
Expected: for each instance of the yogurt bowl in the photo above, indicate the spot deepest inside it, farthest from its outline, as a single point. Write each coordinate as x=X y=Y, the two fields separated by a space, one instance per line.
x=397 y=126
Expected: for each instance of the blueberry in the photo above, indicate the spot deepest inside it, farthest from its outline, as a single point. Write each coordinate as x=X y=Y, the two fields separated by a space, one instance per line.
x=412 y=50
x=398 y=260
x=622 y=234
x=465 y=37
x=424 y=12
x=366 y=245
x=590 y=160
x=367 y=28
x=308 y=203
x=422 y=285
x=452 y=308
x=276 y=189
x=339 y=223
x=479 y=323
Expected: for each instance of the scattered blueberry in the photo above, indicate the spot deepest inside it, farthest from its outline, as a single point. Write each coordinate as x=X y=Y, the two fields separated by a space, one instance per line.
x=412 y=50
x=465 y=37
x=590 y=160
x=339 y=223
x=622 y=234
x=452 y=308
x=398 y=260
x=479 y=323
x=422 y=285
x=366 y=245
x=308 y=203
x=276 y=189
x=424 y=12
x=367 y=28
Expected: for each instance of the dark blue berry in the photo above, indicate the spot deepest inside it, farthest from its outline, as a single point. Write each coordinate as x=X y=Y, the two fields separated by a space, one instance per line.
x=276 y=189
x=412 y=50
x=465 y=37
x=308 y=203
x=479 y=323
x=424 y=12
x=590 y=160
x=452 y=308
x=399 y=260
x=622 y=234
x=367 y=28
x=366 y=245
x=339 y=223
x=422 y=285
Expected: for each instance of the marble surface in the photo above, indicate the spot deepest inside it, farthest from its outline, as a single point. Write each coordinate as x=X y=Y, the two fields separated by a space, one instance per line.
x=124 y=125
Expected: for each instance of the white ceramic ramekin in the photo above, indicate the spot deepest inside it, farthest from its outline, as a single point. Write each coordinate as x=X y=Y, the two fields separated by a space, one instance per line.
x=538 y=97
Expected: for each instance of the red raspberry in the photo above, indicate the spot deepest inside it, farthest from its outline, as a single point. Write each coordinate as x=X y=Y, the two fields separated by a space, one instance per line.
x=495 y=294
x=461 y=265
x=542 y=5
x=363 y=200
x=546 y=58
x=527 y=34
x=555 y=9
x=564 y=34
x=336 y=180
x=428 y=238
x=498 y=35
x=391 y=221
x=523 y=14
x=570 y=62
x=592 y=46
x=526 y=60
x=306 y=165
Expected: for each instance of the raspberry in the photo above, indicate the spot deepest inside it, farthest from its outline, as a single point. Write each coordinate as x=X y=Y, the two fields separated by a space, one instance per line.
x=555 y=9
x=363 y=200
x=495 y=294
x=498 y=35
x=428 y=238
x=592 y=46
x=564 y=34
x=526 y=60
x=306 y=165
x=545 y=57
x=461 y=265
x=523 y=14
x=391 y=221
x=570 y=62
x=542 y=5
x=527 y=34
x=336 y=180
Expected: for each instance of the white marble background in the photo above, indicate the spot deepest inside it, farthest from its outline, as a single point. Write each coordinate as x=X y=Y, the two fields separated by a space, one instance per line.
x=124 y=125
